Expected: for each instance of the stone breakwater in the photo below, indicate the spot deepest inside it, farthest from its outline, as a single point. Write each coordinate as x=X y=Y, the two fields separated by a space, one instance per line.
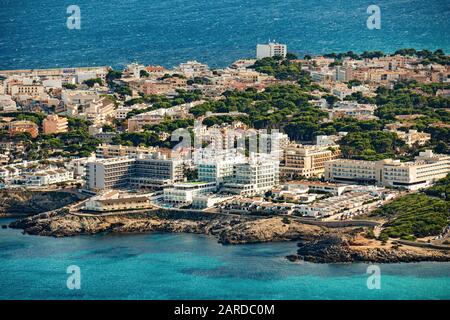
x=316 y=243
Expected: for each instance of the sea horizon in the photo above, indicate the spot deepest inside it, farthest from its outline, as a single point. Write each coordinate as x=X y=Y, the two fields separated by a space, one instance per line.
x=170 y=32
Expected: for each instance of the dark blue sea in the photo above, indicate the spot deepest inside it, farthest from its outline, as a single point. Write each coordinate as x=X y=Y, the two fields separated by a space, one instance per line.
x=33 y=33
x=186 y=266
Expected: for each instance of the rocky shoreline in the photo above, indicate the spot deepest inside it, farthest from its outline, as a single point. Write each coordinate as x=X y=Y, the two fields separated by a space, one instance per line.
x=316 y=243
x=20 y=203
x=335 y=248
x=227 y=229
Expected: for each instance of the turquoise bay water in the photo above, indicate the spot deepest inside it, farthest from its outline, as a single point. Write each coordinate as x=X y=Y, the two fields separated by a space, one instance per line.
x=185 y=266
x=33 y=33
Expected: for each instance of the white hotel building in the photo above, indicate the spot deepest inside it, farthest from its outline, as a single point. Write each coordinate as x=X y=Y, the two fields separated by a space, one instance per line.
x=270 y=49
x=218 y=167
x=185 y=193
x=123 y=172
x=422 y=172
x=257 y=176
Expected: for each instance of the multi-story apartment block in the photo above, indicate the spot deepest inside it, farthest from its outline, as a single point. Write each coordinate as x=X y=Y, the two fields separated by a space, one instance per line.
x=351 y=109
x=113 y=151
x=100 y=110
x=307 y=161
x=122 y=112
x=156 y=172
x=137 y=122
x=24 y=126
x=346 y=170
x=7 y=104
x=109 y=173
x=144 y=171
x=78 y=97
x=270 y=49
x=426 y=169
x=27 y=89
x=193 y=69
x=218 y=169
x=54 y=124
x=258 y=175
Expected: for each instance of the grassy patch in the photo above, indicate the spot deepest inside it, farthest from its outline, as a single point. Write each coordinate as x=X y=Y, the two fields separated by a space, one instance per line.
x=414 y=216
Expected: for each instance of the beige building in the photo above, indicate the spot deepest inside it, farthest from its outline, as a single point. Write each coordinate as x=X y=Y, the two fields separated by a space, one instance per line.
x=54 y=124
x=25 y=89
x=100 y=110
x=422 y=172
x=426 y=169
x=113 y=151
x=137 y=122
x=24 y=126
x=413 y=137
x=307 y=161
x=115 y=201
x=346 y=170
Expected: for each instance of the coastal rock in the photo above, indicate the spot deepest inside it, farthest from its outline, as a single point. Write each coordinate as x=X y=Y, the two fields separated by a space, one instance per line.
x=228 y=229
x=335 y=248
x=62 y=224
x=269 y=229
x=316 y=244
x=21 y=202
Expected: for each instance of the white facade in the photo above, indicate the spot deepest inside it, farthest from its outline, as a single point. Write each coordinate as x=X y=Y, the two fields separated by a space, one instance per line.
x=115 y=201
x=184 y=193
x=426 y=169
x=47 y=177
x=348 y=203
x=144 y=171
x=218 y=168
x=270 y=50
x=257 y=176
x=7 y=104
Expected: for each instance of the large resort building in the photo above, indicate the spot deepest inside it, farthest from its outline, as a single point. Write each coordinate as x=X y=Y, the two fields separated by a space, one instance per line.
x=254 y=177
x=422 y=172
x=142 y=172
x=307 y=161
